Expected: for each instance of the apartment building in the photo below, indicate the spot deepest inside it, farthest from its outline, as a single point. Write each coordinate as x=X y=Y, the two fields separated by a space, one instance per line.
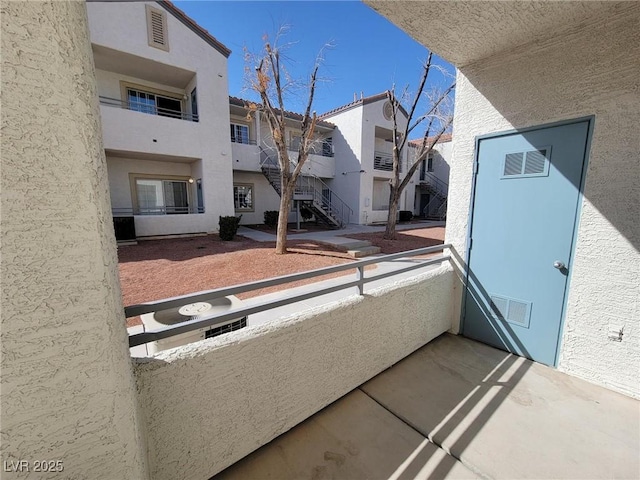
x=180 y=152
x=162 y=83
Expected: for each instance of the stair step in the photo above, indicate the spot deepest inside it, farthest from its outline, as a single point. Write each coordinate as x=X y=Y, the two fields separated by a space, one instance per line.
x=363 y=251
x=345 y=244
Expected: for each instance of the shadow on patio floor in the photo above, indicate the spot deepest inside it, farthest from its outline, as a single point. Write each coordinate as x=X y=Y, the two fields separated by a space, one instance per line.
x=460 y=409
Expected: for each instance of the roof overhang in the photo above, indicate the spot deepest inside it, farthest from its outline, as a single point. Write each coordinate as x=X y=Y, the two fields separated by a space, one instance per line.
x=466 y=31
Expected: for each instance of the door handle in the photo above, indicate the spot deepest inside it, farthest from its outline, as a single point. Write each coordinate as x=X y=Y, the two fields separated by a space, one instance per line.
x=559 y=265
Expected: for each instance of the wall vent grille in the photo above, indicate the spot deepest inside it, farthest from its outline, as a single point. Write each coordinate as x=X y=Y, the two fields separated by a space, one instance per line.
x=511 y=310
x=157 y=28
x=532 y=163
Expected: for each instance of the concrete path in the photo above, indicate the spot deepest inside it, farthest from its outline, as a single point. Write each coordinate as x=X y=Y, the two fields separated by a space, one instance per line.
x=460 y=409
x=332 y=236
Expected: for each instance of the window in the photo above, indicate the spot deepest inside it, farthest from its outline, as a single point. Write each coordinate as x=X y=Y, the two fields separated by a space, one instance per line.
x=194 y=105
x=239 y=133
x=157 y=28
x=243 y=197
x=327 y=147
x=160 y=194
x=153 y=103
x=295 y=139
x=159 y=197
x=430 y=163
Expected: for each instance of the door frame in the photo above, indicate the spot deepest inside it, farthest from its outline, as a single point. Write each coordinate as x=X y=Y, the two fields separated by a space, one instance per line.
x=576 y=222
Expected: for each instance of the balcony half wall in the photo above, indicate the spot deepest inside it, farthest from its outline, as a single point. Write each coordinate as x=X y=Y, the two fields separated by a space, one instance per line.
x=209 y=404
x=128 y=130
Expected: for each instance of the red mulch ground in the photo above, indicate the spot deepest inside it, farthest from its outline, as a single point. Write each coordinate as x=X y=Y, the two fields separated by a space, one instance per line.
x=157 y=269
x=405 y=239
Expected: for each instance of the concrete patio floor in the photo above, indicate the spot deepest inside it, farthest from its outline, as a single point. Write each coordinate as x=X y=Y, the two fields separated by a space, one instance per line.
x=460 y=409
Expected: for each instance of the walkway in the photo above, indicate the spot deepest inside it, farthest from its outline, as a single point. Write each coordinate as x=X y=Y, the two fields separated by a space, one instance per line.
x=332 y=237
x=460 y=409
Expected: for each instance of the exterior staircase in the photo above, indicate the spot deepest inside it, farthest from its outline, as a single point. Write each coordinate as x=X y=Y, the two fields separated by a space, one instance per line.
x=436 y=209
x=311 y=191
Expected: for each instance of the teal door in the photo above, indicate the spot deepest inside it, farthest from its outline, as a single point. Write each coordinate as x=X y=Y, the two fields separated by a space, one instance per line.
x=527 y=190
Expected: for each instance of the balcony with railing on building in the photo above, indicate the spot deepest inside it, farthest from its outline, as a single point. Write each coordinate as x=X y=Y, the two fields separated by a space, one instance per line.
x=384 y=162
x=152 y=104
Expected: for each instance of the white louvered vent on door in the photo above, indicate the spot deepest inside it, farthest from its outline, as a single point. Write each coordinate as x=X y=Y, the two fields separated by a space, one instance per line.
x=511 y=310
x=532 y=163
x=157 y=28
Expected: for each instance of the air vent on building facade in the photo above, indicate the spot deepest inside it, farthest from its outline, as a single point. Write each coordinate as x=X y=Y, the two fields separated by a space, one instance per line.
x=157 y=28
x=387 y=110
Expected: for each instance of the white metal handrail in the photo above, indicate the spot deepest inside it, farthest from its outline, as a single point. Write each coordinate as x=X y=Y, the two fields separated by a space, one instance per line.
x=188 y=326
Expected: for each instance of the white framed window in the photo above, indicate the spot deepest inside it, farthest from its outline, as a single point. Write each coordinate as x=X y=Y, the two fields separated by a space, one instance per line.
x=430 y=163
x=153 y=102
x=243 y=199
x=239 y=133
x=160 y=196
x=157 y=33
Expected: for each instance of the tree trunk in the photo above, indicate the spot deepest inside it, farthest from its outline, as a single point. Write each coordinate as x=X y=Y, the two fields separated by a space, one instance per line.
x=281 y=233
x=390 y=232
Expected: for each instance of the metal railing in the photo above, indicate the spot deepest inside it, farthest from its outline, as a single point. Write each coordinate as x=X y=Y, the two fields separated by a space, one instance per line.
x=323 y=149
x=190 y=325
x=127 y=212
x=384 y=161
x=322 y=196
x=325 y=198
x=147 y=108
x=439 y=186
x=243 y=141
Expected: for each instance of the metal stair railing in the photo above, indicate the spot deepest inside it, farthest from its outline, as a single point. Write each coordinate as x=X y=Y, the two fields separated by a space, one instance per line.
x=438 y=186
x=324 y=199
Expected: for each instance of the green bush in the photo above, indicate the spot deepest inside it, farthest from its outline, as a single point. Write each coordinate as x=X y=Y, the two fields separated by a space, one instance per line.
x=271 y=218
x=405 y=215
x=229 y=227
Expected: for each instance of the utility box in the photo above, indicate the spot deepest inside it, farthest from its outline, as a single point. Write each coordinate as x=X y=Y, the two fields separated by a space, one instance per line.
x=193 y=311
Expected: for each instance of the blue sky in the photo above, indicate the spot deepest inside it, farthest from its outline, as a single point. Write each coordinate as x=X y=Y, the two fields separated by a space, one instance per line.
x=369 y=55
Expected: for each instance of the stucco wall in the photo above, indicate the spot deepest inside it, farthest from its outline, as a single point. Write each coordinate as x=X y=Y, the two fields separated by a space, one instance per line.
x=264 y=197
x=67 y=385
x=211 y=403
x=347 y=144
x=591 y=69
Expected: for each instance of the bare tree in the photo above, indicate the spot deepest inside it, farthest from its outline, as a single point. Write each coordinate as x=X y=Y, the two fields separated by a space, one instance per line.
x=438 y=118
x=270 y=80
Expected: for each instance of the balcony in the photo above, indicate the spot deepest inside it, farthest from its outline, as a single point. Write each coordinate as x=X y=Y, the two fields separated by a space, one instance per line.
x=246 y=157
x=245 y=154
x=447 y=407
x=383 y=161
x=134 y=127
x=148 y=108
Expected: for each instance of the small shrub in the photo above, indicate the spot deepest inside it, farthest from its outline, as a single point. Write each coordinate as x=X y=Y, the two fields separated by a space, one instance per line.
x=229 y=227
x=405 y=215
x=271 y=218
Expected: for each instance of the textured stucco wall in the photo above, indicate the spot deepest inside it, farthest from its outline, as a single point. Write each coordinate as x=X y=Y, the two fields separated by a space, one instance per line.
x=67 y=386
x=591 y=69
x=211 y=403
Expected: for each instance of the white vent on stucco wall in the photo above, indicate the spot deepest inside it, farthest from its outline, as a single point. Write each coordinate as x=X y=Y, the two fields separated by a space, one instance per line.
x=157 y=28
